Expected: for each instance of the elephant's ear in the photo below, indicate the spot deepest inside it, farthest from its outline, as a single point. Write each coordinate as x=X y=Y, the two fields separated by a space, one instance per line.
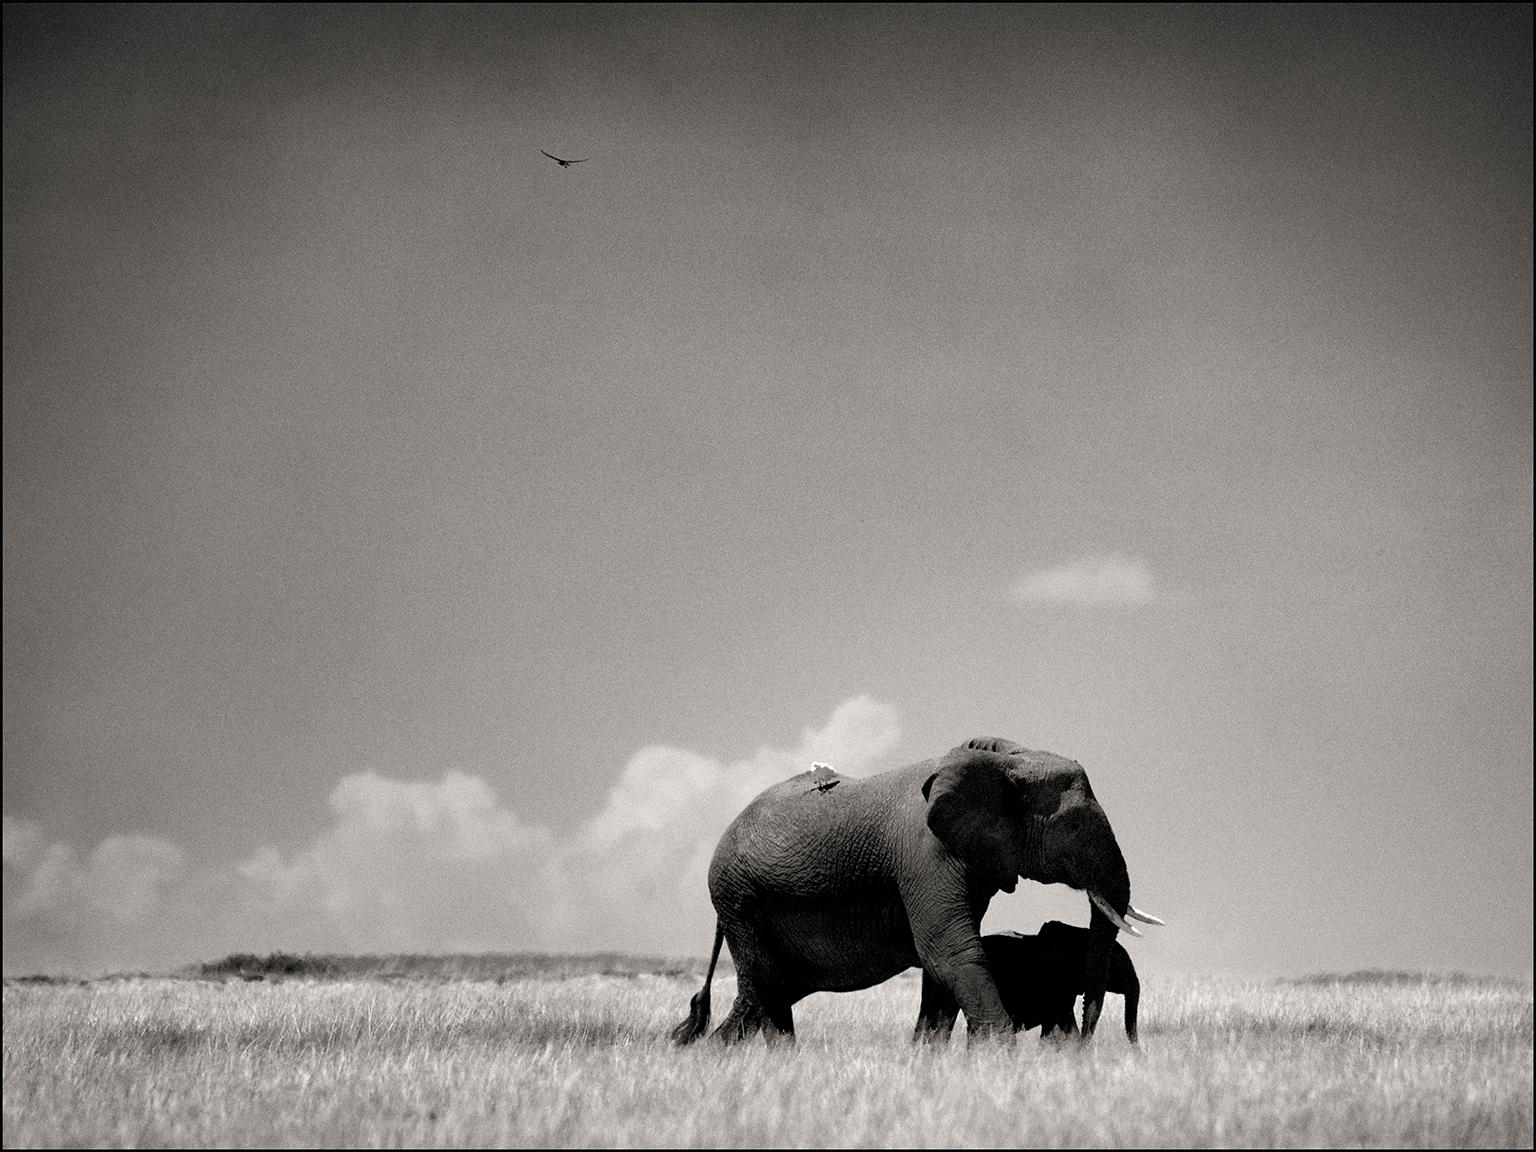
x=975 y=811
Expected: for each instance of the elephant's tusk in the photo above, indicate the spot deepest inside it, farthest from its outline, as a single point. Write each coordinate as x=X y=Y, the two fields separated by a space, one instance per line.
x=1115 y=918
x=1136 y=913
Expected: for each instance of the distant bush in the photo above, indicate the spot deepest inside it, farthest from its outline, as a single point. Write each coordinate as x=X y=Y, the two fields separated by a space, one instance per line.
x=38 y=978
x=483 y=966
x=1384 y=976
x=249 y=966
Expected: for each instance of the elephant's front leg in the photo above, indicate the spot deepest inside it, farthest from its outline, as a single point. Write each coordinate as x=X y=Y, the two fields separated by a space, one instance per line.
x=936 y=1014
x=970 y=981
x=945 y=933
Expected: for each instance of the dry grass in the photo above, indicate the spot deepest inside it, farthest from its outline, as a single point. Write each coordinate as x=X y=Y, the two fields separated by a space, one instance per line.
x=582 y=1061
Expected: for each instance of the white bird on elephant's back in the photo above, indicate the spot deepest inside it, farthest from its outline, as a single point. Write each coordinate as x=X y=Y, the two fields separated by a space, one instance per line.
x=823 y=776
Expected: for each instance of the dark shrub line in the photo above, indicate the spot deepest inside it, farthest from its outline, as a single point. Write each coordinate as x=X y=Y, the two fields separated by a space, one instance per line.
x=484 y=966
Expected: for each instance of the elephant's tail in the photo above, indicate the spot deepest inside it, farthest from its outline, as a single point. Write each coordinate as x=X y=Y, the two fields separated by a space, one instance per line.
x=698 y=1008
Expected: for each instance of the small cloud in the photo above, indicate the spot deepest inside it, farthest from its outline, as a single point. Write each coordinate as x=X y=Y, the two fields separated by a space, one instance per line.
x=1091 y=580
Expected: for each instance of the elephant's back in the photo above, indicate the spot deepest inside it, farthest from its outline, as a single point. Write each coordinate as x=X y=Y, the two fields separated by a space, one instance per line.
x=797 y=840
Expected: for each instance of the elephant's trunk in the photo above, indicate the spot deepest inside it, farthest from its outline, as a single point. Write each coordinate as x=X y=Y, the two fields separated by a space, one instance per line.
x=1110 y=895
x=1101 y=942
x=1132 y=999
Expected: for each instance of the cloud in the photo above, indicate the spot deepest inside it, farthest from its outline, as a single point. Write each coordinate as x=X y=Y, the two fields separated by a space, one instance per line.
x=121 y=881
x=636 y=872
x=403 y=865
x=24 y=844
x=421 y=865
x=1091 y=580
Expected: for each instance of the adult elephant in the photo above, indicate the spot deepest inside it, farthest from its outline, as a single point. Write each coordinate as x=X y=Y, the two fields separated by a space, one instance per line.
x=830 y=884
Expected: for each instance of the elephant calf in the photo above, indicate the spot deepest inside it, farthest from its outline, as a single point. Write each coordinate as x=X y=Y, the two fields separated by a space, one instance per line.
x=1039 y=979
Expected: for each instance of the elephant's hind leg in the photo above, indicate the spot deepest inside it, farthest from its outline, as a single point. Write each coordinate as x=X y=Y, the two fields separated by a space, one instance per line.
x=749 y=1016
x=761 y=1003
x=744 y=1021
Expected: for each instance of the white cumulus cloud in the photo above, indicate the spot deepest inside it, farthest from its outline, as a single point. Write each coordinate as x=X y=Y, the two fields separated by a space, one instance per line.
x=405 y=864
x=121 y=880
x=634 y=876
x=424 y=865
x=1108 y=579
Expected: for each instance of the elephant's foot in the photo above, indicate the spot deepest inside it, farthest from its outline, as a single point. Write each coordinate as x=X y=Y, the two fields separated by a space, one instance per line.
x=1004 y=1037
x=734 y=1031
x=779 y=1027
x=933 y=1031
x=745 y=1021
x=778 y=1037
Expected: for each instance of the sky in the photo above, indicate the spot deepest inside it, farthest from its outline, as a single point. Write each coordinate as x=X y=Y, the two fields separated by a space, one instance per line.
x=413 y=545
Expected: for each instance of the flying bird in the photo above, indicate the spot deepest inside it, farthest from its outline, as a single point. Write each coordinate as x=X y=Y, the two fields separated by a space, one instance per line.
x=565 y=163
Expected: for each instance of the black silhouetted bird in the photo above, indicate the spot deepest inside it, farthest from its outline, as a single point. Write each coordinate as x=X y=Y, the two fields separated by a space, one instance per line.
x=565 y=163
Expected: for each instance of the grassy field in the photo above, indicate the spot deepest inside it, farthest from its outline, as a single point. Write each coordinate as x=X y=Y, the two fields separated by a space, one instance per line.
x=548 y=1051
